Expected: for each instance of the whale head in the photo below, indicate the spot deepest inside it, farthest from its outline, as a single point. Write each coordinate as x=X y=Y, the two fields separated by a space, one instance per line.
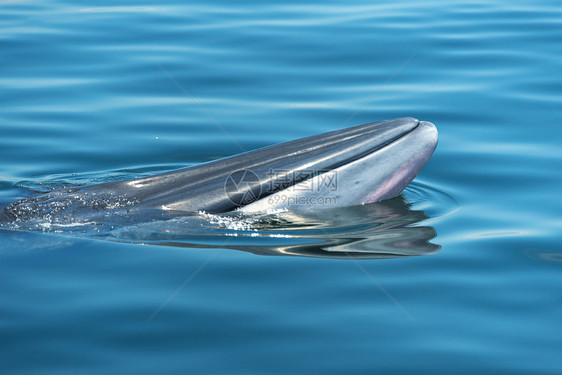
x=352 y=166
x=366 y=164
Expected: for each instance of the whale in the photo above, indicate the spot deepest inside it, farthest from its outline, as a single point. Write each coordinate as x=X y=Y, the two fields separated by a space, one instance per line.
x=352 y=166
x=388 y=229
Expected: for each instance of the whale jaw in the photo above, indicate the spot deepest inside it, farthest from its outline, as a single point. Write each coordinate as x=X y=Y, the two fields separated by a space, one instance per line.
x=382 y=174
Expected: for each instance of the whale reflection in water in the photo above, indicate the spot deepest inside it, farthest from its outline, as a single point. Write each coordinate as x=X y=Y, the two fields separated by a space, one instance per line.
x=380 y=230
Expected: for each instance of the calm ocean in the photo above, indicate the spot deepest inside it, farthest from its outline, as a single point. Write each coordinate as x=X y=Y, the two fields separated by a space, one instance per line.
x=461 y=274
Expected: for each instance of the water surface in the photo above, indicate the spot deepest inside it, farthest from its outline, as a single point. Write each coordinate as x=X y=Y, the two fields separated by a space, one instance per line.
x=98 y=92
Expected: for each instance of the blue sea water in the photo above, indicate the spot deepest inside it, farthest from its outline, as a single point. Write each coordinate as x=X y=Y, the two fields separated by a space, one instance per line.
x=113 y=90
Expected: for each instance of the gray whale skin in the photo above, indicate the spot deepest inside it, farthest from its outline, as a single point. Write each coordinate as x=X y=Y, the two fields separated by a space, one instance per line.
x=354 y=166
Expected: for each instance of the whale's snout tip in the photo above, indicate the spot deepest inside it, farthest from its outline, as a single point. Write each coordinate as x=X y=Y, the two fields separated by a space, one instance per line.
x=427 y=124
x=430 y=133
